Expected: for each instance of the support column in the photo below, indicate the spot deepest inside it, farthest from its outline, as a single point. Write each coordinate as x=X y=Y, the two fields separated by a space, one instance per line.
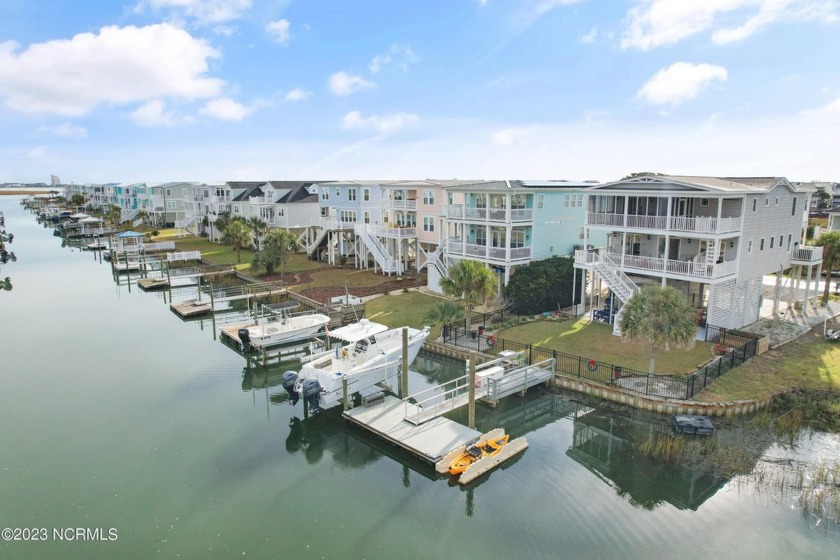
x=777 y=293
x=807 y=289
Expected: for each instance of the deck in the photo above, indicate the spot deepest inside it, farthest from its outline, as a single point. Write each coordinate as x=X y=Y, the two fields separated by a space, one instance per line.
x=191 y=308
x=430 y=441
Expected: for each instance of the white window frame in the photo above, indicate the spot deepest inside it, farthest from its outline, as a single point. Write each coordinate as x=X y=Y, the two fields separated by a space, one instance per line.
x=540 y=201
x=366 y=195
x=429 y=198
x=428 y=224
x=749 y=246
x=351 y=195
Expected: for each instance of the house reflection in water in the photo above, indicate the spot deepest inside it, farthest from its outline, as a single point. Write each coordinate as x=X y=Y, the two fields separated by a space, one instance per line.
x=604 y=442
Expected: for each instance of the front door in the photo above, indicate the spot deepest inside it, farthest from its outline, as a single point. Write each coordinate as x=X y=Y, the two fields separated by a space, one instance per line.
x=674 y=250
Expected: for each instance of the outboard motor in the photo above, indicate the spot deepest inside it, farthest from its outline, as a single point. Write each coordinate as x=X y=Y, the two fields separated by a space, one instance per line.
x=311 y=392
x=245 y=338
x=289 y=380
x=11 y=237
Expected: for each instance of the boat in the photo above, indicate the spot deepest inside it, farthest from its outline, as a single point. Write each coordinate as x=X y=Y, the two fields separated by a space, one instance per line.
x=285 y=327
x=367 y=354
x=692 y=424
x=487 y=448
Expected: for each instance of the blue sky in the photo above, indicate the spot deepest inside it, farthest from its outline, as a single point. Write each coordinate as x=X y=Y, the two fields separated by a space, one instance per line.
x=208 y=90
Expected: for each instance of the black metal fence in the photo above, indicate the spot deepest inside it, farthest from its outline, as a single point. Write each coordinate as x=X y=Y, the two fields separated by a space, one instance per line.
x=735 y=347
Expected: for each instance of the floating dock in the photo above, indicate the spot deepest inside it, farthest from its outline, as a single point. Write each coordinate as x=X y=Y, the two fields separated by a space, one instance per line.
x=191 y=308
x=149 y=284
x=430 y=441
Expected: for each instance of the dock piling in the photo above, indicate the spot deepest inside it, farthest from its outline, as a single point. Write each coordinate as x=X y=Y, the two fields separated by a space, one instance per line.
x=404 y=368
x=471 y=406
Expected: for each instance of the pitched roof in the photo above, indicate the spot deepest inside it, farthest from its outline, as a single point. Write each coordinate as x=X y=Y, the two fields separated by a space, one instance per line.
x=740 y=185
x=298 y=191
x=521 y=185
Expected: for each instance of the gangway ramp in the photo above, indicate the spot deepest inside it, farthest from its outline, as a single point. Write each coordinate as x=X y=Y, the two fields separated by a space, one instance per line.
x=494 y=381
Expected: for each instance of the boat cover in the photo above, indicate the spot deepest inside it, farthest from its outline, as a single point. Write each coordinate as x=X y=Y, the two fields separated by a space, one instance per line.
x=358 y=331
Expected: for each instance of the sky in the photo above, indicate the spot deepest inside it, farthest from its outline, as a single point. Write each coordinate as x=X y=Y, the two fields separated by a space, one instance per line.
x=219 y=90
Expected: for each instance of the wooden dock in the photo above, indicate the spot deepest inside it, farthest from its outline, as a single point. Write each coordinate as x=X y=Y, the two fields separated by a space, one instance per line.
x=149 y=284
x=191 y=308
x=430 y=441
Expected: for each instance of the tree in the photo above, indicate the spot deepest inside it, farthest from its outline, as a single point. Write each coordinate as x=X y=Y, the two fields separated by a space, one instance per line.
x=830 y=242
x=237 y=235
x=660 y=316
x=543 y=285
x=471 y=281
x=143 y=215
x=277 y=245
x=114 y=214
x=443 y=314
x=259 y=227
x=77 y=200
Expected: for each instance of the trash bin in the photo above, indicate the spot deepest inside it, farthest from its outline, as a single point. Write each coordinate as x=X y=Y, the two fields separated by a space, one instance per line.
x=480 y=330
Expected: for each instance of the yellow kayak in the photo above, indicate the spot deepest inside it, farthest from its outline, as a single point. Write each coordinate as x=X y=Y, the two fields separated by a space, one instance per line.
x=473 y=453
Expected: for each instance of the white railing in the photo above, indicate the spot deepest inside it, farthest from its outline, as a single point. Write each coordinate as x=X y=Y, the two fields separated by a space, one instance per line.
x=455 y=211
x=692 y=267
x=458 y=211
x=699 y=224
x=807 y=254
x=483 y=251
x=522 y=215
x=261 y=199
x=472 y=213
x=392 y=231
x=184 y=256
x=218 y=198
x=388 y=263
x=400 y=204
x=621 y=284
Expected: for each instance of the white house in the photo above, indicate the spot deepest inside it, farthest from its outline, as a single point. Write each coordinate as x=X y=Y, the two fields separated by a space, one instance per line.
x=713 y=238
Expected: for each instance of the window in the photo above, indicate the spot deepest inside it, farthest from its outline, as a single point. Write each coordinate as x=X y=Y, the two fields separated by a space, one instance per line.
x=351 y=195
x=337 y=192
x=171 y=205
x=777 y=201
x=281 y=211
x=184 y=192
x=325 y=212
x=236 y=209
x=481 y=201
x=429 y=199
x=325 y=194
x=517 y=237
x=428 y=223
x=540 y=200
x=581 y=232
x=755 y=201
x=790 y=237
x=761 y=245
x=517 y=201
x=347 y=216
x=704 y=202
x=366 y=196
x=481 y=235
x=793 y=210
x=366 y=215
x=572 y=200
x=168 y=192
x=749 y=246
x=772 y=242
x=767 y=201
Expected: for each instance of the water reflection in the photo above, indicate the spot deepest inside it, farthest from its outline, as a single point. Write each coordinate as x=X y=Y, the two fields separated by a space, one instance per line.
x=328 y=433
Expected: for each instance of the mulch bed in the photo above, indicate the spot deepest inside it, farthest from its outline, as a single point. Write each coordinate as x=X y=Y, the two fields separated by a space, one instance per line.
x=325 y=294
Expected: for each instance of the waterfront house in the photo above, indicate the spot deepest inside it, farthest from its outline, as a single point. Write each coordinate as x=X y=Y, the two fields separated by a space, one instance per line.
x=505 y=224
x=713 y=238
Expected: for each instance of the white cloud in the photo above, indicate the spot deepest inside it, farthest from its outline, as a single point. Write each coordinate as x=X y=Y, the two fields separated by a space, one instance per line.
x=482 y=2
x=153 y=114
x=202 y=11
x=510 y=136
x=66 y=130
x=225 y=30
x=119 y=66
x=401 y=56
x=297 y=94
x=380 y=123
x=343 y=83
x=226 y=109
x=545 y=6
x=680 y=82
x=39 y=153
x=590 y=37
x=279 y=30
x=831 y=108
x=378 y=62
x=655 y=23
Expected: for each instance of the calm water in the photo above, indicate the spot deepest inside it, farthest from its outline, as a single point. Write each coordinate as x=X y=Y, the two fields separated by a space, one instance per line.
x=116 y=414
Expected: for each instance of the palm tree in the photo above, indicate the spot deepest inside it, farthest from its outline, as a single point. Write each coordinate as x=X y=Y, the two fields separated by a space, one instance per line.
x=259 y=227
x=830 y=242
x=471 y=281
x=143 y=215
x=114 y=214
x=237 y=235
x=443 y=313
x=277 y=246
x=660 y=316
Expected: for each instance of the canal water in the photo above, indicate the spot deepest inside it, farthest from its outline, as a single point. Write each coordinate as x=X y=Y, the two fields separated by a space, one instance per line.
x=118 y=415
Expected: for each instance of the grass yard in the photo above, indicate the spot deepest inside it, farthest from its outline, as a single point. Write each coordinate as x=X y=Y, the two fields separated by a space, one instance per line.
x=809 y=362
x=213 y=252
x=596 y=341
x=402 y=309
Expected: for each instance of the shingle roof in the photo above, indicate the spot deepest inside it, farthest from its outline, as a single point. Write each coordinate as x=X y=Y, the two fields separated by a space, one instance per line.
x=523 y=185
x=722 y=184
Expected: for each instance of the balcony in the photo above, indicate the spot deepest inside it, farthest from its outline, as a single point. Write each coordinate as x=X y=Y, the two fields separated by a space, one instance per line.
x=261 y=199
x=400 y=204
x=699 y=224
x=807 y=255
x=496 y=254
x=653 y=265
x=460 y=212
x=394 y=232
x=217 y=199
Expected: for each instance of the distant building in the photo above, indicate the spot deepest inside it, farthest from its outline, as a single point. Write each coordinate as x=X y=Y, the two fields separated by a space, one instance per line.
x=54 y=180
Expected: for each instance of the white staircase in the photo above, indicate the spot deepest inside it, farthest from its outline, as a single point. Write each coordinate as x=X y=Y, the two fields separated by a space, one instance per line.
x=618 y=282
x=186 y=223
x=322 y=233
x=129 y=215
x=386 y=262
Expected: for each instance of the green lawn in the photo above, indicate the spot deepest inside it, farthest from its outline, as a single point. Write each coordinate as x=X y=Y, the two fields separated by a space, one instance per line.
x=809 y=362
x=399 y=310
x=212 y=252
x=596 y=341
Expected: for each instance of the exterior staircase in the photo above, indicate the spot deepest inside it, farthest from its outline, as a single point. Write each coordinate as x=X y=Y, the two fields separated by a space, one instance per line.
x=186 y=223
x=129 y=215
x=618 y=282
x=319 y=238
x=386 y=262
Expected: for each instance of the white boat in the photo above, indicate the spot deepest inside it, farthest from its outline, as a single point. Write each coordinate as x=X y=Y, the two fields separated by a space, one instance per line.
x=372 y=353
x=286 y=328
